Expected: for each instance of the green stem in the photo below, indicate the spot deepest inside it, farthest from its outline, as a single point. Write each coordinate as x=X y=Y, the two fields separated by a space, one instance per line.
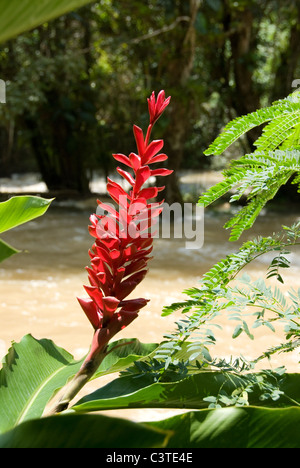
x=72 y=388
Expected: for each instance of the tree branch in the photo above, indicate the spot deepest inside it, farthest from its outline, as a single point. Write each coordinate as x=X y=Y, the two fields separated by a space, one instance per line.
x=163 y=30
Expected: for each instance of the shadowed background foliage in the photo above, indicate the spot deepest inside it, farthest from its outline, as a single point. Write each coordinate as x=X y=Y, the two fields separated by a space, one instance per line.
x=75 y=83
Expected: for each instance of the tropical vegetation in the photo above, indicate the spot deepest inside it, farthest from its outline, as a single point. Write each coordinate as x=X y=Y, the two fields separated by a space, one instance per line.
x=224 y=402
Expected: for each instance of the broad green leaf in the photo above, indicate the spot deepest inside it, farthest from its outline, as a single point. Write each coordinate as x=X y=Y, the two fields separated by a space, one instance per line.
x=20 y=210
x=141 y=392
x=6 y=251
x=123 y=353
x=31 y=372
x=247 y=427
x=83 y=431
x=20 y=16
x=34 y=370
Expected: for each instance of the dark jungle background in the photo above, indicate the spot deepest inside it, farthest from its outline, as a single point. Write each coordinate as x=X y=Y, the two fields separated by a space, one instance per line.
x=76 y=85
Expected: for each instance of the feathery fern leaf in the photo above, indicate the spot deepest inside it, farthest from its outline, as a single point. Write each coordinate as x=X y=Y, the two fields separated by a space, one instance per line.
x=217 y=295
x=259 y=175
x=280 y=110
x=278 y=130
x=246 y=217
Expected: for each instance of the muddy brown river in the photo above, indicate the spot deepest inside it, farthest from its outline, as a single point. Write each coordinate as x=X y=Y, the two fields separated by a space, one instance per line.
x=38 y=287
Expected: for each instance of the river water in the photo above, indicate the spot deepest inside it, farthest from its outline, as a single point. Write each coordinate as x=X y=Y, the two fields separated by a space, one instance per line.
x=38 y=287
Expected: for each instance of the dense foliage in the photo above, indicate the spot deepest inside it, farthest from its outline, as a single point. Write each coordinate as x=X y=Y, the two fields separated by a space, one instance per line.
x=223 y=59
x=227 y=402
x=179 y=372
x=223 y=289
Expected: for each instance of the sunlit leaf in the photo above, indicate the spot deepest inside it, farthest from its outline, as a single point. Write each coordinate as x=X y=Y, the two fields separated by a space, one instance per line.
x=20 y=16
x=6 y=251
x=247 y=427
x=20 y=210
x=187 y=393
x=34 y=370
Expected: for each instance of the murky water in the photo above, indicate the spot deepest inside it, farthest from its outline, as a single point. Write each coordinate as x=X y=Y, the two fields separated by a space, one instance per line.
x=38 y=288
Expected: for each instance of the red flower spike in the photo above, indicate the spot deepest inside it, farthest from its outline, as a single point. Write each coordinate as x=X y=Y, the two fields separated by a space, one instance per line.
x=133 y=304
x=142 y=175
x=122 y=158
x=107 y=208
x=156 y=108
x=96 y=295
x=150 y=192
x=117 y=193
x=135 y=161
x=123 y=243
x=126 y=176
x=91 y=311
x=161 y=172
x=154 y=147
x=159 y=158
x=139 y=138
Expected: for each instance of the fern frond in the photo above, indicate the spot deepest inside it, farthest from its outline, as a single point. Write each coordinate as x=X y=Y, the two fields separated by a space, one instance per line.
x=293 y=141
x=217 y=295
x=217 y=191
x=241 y=125
x=246 y=217
x=277 y=131
x=215 y=280
x=185 y=306
x=238 y=127
x=287 y=158
x=257 y=176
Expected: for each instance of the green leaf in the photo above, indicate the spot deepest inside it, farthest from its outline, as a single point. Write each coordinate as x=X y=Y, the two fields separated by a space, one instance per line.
x=237 y=331
x=280 y=111
x=20 y=16
x=31 y=372
x=189 y=392
x=277 y=131
x=218 y=190
x=6 y=251
x=122 y=354
x=34 y=370
x=20 y=210
x=258 y=176
x=247 y=427
x=84 y=431
x=17 y=211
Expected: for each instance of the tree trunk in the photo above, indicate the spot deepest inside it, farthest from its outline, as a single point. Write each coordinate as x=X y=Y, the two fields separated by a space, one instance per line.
x=59 y=161
x=179 y=70
x=245 y=98
x=288 y=62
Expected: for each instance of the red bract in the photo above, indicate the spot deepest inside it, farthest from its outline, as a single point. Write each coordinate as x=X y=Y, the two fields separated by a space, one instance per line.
x=123 y=236
x=156 y=107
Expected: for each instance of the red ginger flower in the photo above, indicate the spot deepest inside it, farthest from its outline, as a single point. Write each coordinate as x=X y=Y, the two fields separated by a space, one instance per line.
x=123 y=237
x=156 y=107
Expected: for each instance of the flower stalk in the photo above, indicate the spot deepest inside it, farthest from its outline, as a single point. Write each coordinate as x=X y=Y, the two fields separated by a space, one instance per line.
x=123 y=243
